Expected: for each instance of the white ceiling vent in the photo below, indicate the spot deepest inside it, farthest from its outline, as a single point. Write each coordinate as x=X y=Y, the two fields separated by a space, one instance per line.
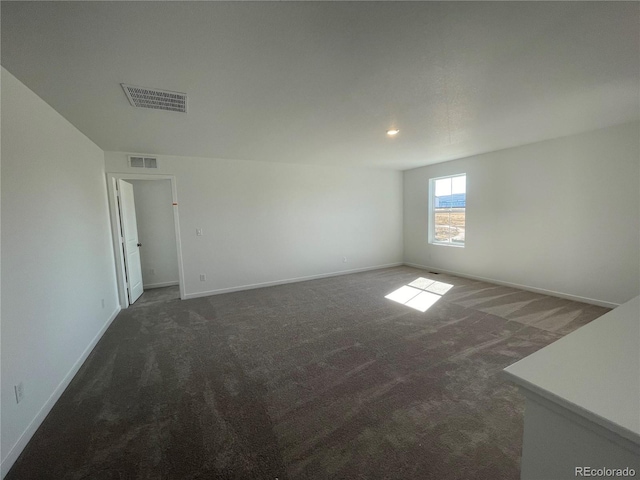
x=156 y=99
x=143 y=162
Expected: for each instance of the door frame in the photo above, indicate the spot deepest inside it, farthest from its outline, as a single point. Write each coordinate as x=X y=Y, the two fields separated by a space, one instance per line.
x=116 y=231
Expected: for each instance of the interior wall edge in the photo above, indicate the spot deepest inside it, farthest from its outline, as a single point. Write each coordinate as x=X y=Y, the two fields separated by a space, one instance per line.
x=289 y=280
x=151 y=286
x=23 y=440
x=529 y=288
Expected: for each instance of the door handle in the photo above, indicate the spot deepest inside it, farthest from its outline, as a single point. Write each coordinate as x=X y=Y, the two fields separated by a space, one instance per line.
x=139 y=244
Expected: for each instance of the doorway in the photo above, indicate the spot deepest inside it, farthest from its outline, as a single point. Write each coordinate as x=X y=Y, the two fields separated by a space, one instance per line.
x=146 y=237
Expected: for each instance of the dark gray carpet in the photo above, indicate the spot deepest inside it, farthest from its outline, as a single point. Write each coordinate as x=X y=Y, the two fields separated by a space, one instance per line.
x=325 y=379
x=157 y=295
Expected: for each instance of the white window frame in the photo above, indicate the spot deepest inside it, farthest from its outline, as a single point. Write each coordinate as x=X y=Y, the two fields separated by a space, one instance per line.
x=432 y=212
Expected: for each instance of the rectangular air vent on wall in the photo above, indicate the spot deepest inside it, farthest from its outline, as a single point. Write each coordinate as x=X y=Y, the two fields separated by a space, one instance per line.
x=156 y=99
x=143 y=162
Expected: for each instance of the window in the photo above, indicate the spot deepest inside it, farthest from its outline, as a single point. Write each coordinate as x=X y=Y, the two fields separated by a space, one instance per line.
x=447 y=205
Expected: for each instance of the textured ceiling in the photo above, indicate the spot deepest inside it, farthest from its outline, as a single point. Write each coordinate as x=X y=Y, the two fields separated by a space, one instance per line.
x=321 y=82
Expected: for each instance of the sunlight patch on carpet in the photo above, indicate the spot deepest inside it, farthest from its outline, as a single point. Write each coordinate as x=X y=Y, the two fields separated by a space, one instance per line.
x=420 y=294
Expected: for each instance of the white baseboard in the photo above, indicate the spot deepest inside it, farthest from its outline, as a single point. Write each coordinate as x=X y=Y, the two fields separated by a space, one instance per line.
x=149 y=286
x=288 y=280
x=17 y=448
x=553 y=293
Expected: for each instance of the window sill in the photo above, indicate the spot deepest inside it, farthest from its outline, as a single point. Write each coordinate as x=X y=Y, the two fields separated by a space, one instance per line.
x=446 y=244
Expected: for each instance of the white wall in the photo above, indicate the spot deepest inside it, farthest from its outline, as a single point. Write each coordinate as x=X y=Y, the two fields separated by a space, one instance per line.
x=57 y=259
x=156 y=232
x=561 y=215
x=273 y=222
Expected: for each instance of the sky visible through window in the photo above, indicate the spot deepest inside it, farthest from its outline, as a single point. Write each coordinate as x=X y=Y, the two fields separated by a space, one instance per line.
x=451 y=185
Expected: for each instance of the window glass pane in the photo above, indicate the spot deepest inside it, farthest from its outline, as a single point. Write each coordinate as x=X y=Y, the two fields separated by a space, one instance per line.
x=459 y=184
x=457 y=225
x=442 y=225
x=443 y=187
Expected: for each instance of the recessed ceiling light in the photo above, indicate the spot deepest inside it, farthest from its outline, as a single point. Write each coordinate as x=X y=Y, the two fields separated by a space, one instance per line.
x=392 y=132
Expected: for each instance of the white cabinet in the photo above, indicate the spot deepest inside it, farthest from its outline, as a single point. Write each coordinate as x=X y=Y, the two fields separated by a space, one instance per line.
x=583 y=400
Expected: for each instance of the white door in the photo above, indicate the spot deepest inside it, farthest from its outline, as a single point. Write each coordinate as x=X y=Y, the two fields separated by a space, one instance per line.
x=131 y=243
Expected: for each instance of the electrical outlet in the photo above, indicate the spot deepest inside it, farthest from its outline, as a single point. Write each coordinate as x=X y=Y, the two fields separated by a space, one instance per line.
x=203 y=277
x=344 y=259
x=19 y=389
x=103 y=303
x=152 y=271
x=199 y=232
